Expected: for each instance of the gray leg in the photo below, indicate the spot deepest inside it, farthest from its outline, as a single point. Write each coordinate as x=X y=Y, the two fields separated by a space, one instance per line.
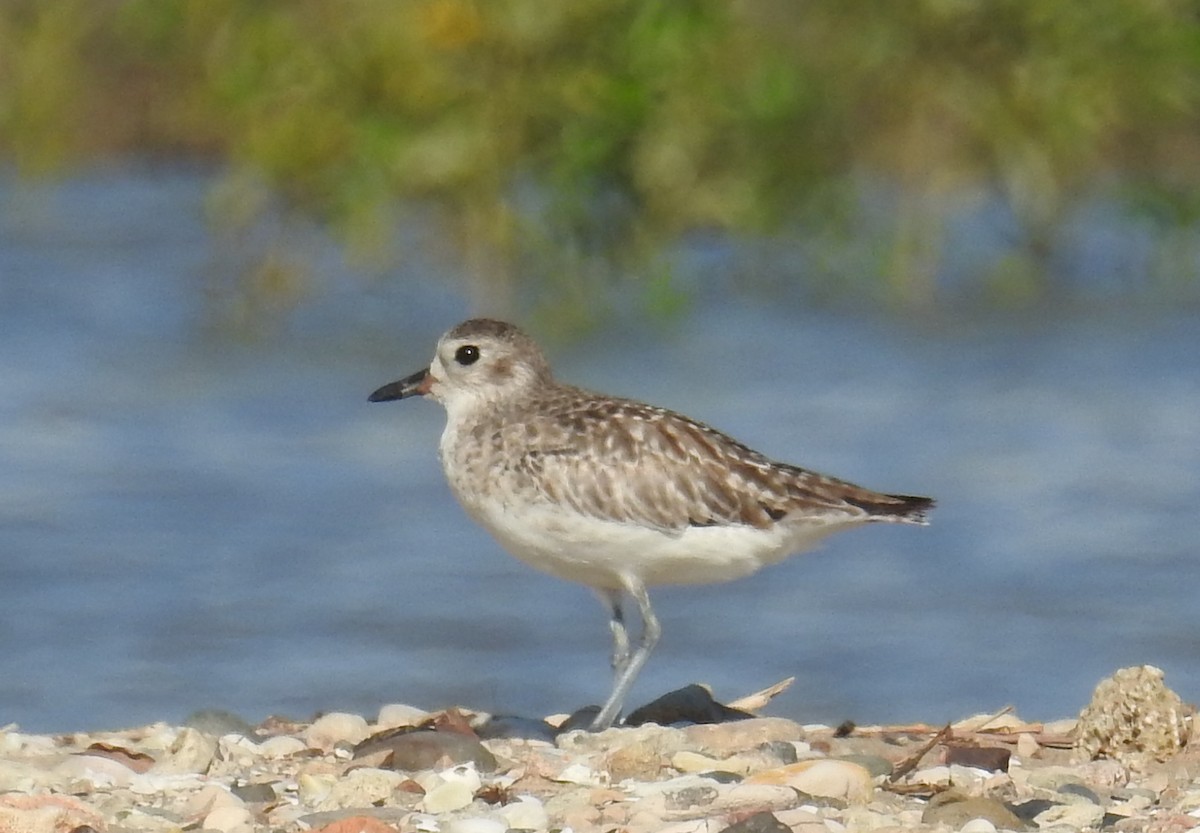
x=620 y=635
x=628 y=673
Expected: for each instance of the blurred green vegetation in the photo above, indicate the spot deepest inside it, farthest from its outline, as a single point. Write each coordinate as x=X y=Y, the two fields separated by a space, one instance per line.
x=565 y=145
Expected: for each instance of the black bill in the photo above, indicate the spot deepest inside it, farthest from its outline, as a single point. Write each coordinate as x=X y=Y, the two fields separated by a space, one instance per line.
x=414 y=385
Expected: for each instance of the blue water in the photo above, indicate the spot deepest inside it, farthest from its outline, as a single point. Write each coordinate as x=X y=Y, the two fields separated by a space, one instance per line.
x=190 y=520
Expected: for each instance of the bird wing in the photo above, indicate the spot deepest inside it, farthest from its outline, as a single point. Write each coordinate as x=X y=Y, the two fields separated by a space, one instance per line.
x=632 y=463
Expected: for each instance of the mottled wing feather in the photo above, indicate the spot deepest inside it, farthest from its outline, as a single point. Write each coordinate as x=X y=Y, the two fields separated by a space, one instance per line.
x=632 y=463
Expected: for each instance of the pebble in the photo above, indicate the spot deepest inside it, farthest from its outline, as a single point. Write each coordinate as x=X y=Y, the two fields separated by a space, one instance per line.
x=218 y=722
x=334 y=728
x=230 y=820
x=824 y=778
x=447 y=796
x=192 y=751
x=473 y=825
x=688 y=761
x=760 y=774
x=1077 y=815
x=210 y=798
x=281 y=746
x=955 y=810
x=725 y=739
x=763 y=822
x=96 y=772
x=356 y=824
x=360 y=788
x=394 y=715
x=526 y=813
x=425 y=749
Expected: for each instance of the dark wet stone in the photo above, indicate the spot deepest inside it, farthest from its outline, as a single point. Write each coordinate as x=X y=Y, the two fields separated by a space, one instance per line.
x=580 y=719
x=763 y=822
x=723 y=777
x=1028 y=810
x=219 y=722
x=1081 y=791
x=423 y=749
x=991 y=758
x=254 y=793
x=690 y=704
x=509 y=727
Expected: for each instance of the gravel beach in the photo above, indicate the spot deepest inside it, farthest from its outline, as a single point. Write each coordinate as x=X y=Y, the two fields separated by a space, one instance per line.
x=1123 y=764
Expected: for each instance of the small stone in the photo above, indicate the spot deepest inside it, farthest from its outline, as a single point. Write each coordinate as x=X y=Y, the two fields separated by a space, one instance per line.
x=313 y=789
x=877 y=766
x=801 y=818
x=692 y=703
x=473 y=825
x=360 y=788
x=690 y=826
x=254 y=793
x=686 y=761
x=230 y=820
x=356 y=824
x=281 y=746
x=578 y=773
x=693 y=797
x=192 y=751
x=464 y=773
x=579 y=720
x=508 y=727
x=978 y=826
x=959 y=776
x=1105 y=774
x=218 y=722
x=1077 y=815
x=1027 y=746
x=763 y=822
x=1077 y=792
x=210 y=798
x=447 y=796
x=526 y=813
x=238 y=750
x=334 y=728
x=1027 y=811
x=826 y=778
x=987 y=758
x=1052 y=777
x=425 y=749
x=725 y=739
x=45 y=814
x=640 y=760
x=954 y=809
x=95 y=770
x=399 y=714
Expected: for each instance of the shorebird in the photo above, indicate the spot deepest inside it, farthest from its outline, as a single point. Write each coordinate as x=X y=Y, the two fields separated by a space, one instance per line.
x=616 y=494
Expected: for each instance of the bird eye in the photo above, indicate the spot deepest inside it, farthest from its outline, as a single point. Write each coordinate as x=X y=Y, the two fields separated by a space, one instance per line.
x=467 y=354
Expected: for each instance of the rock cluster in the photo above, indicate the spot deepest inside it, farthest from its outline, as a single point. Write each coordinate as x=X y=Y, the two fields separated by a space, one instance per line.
x=454 y=772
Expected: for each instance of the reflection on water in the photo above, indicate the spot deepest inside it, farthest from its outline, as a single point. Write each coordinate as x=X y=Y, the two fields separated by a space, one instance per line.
x=186 y=524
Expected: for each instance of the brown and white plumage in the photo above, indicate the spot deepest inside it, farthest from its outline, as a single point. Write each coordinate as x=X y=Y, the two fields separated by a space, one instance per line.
x=617 y=494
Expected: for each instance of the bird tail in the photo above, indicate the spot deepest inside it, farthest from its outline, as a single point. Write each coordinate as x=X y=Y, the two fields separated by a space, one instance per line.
x=908 y=509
